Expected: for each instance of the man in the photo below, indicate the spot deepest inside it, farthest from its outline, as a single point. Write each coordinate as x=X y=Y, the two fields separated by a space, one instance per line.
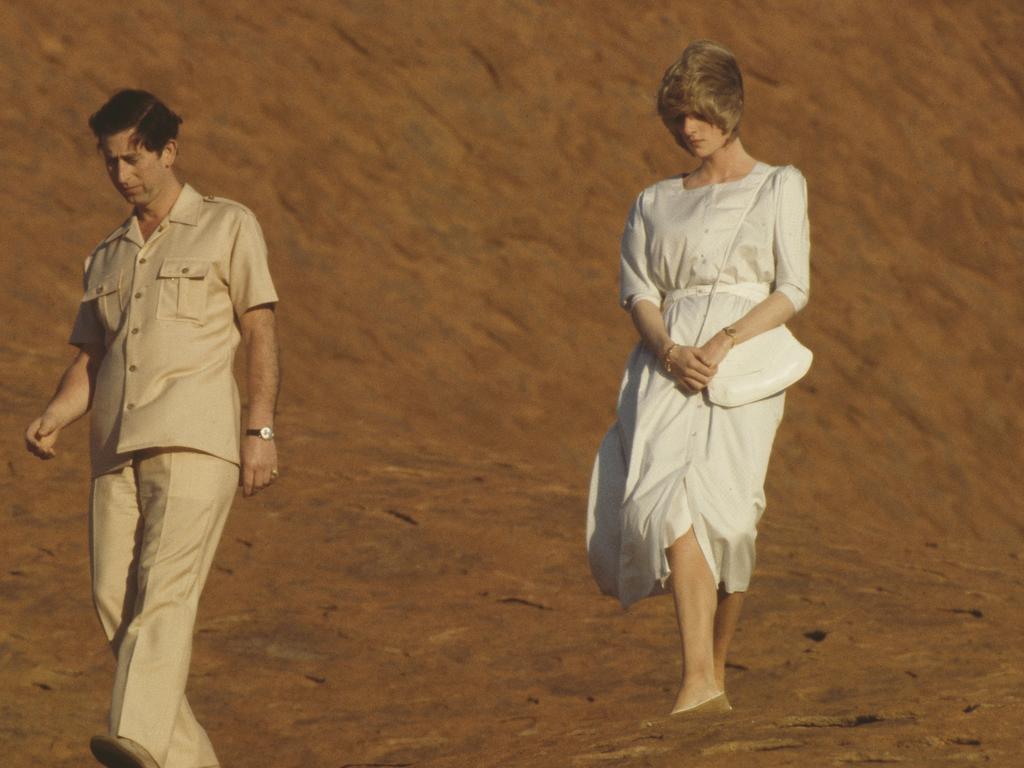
x=168 y=297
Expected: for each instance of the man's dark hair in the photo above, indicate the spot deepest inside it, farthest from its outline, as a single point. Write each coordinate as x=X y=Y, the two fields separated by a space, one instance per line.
x=154 y=123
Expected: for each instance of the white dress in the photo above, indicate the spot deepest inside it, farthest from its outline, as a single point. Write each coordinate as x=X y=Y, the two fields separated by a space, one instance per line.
x=673 y=460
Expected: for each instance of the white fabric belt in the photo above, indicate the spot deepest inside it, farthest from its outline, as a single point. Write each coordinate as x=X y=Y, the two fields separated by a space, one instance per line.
x=752 y=291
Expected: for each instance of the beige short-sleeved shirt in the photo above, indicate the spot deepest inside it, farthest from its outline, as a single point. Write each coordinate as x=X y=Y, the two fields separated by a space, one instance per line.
x=166 y=312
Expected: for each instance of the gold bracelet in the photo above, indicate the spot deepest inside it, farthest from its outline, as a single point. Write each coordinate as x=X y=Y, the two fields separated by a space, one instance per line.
x=730 y=331
x=666 y=361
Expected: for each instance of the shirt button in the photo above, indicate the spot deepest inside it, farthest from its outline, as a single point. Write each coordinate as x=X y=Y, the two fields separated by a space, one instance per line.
x=142 y=260
x=134 y=331
x=138 y=295
x=184 y=270
x=131 y=368
x=130 y=406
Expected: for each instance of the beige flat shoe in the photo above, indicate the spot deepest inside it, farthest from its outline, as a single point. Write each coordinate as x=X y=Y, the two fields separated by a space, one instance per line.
x=717 y=704
x=119 y=752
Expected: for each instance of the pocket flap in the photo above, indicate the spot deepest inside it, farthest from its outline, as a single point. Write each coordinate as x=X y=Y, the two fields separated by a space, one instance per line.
x=102 y=284
x=187 y=268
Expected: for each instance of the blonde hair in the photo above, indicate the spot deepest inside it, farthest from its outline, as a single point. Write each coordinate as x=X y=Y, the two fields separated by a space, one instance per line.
x=705 y=82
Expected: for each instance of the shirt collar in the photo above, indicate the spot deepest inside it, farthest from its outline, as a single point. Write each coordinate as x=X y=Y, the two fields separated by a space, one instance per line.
x=184 y=211
x=129 y=230
x=186 y=208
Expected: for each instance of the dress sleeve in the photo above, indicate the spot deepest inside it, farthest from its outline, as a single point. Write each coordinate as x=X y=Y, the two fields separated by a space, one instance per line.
x=250 y=282
x=792 y=244
x=635 y=284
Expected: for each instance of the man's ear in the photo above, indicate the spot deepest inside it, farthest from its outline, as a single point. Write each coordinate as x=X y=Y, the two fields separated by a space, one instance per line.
x=169 y=153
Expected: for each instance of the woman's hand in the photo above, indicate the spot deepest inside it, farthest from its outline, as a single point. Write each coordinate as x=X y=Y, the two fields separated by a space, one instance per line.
x=716 y=348
x=692 y=367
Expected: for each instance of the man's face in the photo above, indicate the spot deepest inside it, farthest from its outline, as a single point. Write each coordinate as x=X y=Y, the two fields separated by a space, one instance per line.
x=139 y=174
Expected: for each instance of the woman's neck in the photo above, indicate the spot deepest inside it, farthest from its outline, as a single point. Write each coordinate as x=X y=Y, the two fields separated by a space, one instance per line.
x=729 y=163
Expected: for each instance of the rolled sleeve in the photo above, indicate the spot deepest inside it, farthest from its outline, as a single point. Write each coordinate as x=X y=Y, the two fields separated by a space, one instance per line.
x=635 y=283
x=87 y=330
x=250 y=281
x=792 y=243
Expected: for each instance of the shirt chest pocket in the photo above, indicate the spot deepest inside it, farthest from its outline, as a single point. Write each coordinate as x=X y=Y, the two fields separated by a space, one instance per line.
x=184 y=288
x=105 y=291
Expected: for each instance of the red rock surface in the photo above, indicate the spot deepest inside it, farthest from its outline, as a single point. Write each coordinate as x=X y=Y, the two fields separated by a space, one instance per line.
x=442 y=185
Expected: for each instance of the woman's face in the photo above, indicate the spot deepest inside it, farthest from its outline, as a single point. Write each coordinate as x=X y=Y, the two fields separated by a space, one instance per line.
x=703 y=138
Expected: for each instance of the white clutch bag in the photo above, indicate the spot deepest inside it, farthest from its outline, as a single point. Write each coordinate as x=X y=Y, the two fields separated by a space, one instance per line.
x=759 y=368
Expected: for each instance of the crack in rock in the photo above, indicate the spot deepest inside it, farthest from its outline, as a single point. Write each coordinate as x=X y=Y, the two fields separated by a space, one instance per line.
x=764 y=745
x=843 y=721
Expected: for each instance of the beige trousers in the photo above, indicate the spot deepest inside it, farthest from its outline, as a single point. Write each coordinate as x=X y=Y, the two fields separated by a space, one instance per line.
x=154 y=527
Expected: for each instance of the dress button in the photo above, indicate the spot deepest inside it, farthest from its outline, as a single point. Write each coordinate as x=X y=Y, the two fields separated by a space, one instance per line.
x=142 y=260
x=134 y=331
x=131 y=368
x=130 y=406
x=138 y=294
x=184 y=270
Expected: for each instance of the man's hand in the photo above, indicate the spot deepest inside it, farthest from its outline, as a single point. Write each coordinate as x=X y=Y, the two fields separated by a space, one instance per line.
x=259 y=464
x=69 y=402
x=41 y=436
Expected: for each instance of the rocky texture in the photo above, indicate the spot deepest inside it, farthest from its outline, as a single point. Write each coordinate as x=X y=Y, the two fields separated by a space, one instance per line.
x=442 y=186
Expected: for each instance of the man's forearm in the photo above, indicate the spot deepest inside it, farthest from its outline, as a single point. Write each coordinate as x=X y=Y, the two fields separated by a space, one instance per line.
x=74 y=393
x=263 y=373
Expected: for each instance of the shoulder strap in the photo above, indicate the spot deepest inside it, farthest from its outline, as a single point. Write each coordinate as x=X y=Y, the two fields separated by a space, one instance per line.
x=728 y=248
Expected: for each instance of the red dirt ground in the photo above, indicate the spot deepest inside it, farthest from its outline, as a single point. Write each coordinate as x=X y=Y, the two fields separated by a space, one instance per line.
x=442 y=186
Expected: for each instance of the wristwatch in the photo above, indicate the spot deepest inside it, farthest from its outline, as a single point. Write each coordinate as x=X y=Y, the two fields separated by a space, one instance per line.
x=263 y=433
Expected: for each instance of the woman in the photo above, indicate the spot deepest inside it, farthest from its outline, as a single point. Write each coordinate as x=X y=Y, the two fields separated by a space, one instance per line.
x=678 y=485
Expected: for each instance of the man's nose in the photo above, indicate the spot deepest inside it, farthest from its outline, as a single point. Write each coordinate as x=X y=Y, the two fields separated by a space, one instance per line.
x=123 y=171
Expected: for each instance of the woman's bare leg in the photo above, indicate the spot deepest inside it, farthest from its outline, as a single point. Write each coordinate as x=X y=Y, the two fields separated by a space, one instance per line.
x=730 y=605
x=693 y=589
